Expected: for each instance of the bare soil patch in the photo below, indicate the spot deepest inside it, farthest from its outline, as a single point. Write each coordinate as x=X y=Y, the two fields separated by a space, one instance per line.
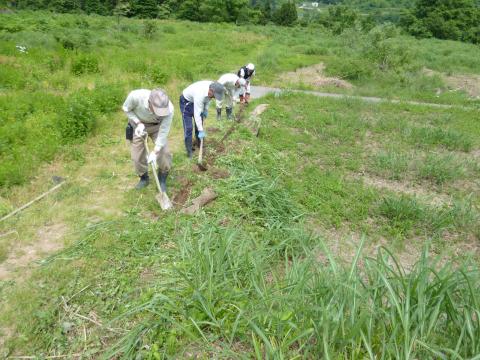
x=218 y=173
x=432 y=198
x=468 y=83
x=181 y=197
x=47 y=241
x=314 y=76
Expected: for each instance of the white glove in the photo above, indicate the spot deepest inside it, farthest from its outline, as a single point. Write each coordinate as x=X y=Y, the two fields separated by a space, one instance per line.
x=152 y=158
x=139 y=130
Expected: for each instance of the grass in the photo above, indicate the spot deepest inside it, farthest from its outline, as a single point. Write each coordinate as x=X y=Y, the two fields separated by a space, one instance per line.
x=261 y=272
x=63 y=60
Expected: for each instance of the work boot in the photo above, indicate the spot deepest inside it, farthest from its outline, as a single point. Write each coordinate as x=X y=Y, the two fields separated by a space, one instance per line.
x=219 y=114
x=229 y=112
x=162 y=177
x=189 y=148
x=144 y=181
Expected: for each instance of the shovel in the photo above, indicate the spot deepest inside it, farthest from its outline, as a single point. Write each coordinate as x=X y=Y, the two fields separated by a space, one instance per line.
x=161 y=197
x=200 y=163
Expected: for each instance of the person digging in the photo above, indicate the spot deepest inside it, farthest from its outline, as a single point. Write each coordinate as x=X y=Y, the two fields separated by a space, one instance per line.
x=246 y=72
x=233 y=86
x=194 y=103
x=149 y=113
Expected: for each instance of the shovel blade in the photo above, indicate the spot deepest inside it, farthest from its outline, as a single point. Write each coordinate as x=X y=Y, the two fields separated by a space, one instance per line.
x=201 y=166
x=164 y=201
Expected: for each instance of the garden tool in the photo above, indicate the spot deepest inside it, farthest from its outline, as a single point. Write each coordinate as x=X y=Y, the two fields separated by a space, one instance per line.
x=161 y=197
x=200 y=163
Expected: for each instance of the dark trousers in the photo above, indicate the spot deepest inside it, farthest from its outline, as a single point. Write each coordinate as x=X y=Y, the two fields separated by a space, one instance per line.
x=186 y=109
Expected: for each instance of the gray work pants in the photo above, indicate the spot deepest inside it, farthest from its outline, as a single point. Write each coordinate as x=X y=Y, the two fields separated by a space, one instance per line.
x=139 y=153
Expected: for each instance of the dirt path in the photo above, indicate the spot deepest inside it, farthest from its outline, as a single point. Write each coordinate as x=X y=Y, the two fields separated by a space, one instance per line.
x=260 y=91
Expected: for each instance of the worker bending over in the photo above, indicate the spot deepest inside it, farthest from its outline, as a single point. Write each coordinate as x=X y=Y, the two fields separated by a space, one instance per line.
x=149 y=113
x=246 y=72
x=194 y=103
x=233 y=86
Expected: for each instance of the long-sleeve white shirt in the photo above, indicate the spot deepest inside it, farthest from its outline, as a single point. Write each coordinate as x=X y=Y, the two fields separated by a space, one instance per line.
x=197 y=93
x=229 y=81
x=137 y=110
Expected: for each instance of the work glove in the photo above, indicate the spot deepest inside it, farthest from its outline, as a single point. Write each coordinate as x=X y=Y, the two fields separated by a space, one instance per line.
x=139 y=130
x=152 y=158
x=204 y=114
x=201 y=134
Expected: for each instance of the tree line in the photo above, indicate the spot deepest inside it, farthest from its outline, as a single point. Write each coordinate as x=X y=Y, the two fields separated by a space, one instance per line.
x=238 y=11
x=443 y=19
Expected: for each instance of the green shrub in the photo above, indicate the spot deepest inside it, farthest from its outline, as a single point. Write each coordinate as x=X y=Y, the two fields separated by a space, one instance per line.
x=85 y=64
x=149 y=29
x=158 y=75
x=107 y=97
x=351 y=69
x=78 y=120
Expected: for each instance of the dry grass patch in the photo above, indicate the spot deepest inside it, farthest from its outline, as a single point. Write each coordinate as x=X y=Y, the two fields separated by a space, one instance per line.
x=470 y=84
x=48 y=240
x=404 y=187
x=314 y=76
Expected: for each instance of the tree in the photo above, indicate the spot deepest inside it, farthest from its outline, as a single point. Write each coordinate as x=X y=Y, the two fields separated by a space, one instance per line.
x=145 y=9
x=444 y=19
x=286 y=15
x=123 y=8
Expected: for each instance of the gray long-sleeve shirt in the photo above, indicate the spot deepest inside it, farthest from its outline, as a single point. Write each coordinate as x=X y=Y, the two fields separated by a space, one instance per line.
x=137 y=110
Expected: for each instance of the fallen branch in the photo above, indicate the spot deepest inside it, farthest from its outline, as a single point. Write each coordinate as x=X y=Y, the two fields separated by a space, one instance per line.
x=205 y=197
x=31 y=202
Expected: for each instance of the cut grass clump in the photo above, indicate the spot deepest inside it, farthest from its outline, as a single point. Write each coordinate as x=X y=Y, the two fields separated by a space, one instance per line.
x=429 y=137
x=403 y=212
x=406 y=214
x=441 y=169
x=266 y=203
x=391 y=164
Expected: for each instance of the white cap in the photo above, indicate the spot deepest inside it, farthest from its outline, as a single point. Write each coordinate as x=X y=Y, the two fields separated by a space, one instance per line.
x=251 y=67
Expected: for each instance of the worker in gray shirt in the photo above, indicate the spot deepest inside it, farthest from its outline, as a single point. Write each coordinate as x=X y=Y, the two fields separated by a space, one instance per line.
x=194 y=103
x=149 y=113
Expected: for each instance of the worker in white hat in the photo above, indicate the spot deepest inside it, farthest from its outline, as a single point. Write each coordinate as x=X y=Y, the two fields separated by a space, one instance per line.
x=246 y=72
x=150 y=113
x=233 y=86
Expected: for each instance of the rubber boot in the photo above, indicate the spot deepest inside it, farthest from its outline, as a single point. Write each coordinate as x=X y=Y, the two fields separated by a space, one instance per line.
x=144 y=181
x=188 y=147
x=229 y=112
x=219 y=114
x=162 y=177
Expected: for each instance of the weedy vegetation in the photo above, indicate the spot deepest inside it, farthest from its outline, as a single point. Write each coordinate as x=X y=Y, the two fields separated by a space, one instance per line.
x=347 y=229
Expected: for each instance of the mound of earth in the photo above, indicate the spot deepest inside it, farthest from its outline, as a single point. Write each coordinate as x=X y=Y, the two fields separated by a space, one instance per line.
x=314 y=76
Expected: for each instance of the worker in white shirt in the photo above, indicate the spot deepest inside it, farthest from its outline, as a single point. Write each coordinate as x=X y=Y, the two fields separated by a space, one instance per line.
x=194 y=103
x=233 y=85
x=246 y=72
x=149 y=113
